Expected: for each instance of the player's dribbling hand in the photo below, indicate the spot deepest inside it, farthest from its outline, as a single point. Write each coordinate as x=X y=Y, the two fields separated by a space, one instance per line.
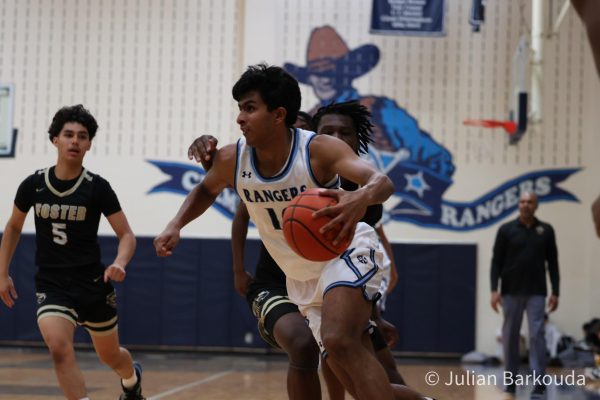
x=166 y=242
x=346 y=213
x=203 y=149
x=7 y=291
x=115 y=273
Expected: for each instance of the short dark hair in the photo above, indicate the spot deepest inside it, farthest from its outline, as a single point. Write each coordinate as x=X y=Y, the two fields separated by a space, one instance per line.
x=277 y=88
x=360 y=115
x=75 y=113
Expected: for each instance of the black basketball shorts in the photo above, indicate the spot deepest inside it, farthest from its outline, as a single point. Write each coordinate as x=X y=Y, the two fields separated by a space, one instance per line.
x=79 y=295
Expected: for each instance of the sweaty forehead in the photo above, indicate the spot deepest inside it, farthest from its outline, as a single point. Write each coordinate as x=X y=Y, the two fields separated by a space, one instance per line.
x=337 y=121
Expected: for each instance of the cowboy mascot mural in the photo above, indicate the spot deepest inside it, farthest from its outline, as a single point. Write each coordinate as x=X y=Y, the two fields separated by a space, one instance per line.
x=420 y=167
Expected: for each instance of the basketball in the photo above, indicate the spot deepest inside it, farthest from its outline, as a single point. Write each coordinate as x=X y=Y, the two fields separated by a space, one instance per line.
x=301 y=230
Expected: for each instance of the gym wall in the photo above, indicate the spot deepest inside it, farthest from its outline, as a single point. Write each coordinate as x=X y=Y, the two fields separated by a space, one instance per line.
x=157 y=74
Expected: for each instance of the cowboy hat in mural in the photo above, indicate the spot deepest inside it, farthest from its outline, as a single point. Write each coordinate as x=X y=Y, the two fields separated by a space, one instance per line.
x=328 y=55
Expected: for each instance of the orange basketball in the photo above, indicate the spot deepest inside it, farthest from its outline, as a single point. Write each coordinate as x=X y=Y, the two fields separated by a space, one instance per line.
x=301 y=230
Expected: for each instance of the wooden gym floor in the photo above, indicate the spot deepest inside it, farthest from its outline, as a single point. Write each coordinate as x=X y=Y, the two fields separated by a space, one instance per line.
x=27 y=374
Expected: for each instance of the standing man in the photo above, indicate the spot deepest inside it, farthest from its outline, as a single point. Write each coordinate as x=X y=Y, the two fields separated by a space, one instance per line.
x=72 y=286
x=267 y=165
x=523 y=250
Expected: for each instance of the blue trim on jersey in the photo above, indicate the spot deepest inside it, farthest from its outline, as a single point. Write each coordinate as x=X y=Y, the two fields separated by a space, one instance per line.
x=334 y=185
x=372 y=256
x=237 y=162
x=361 y=282
x=288 y=164
x=346 y=257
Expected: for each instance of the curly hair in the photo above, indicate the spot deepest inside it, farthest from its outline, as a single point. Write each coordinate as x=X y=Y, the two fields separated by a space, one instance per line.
x=361 y=118
x=75 y=113
x=360 y=115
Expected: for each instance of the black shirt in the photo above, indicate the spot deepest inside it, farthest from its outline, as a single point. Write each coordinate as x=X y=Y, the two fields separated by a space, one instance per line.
x=520 y=257
x=67 y=215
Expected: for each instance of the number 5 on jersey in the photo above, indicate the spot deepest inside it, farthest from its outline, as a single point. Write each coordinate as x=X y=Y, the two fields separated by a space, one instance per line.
x=59 y=234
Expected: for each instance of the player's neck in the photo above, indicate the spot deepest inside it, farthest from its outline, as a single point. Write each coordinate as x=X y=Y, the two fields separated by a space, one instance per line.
x=66 y=171
x=271 y=158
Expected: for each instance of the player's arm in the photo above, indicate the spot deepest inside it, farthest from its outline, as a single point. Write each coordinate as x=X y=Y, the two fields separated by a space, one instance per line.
x=199 y=199
x=330 y=156
x=388 y=249
x=120 y=225
x=10 y=238
x=239 y=231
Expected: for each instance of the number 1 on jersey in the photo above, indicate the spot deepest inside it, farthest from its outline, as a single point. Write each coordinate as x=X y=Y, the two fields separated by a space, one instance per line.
x=274 y=219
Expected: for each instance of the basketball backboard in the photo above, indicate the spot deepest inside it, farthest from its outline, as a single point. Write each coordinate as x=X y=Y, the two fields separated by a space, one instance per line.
x=519 y=87
x=6 y=120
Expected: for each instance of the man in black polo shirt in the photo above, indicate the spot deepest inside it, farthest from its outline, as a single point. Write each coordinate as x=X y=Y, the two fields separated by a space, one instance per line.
x=523 y=249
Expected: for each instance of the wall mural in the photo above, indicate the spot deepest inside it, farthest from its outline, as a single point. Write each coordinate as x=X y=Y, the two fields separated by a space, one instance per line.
x=420 y=167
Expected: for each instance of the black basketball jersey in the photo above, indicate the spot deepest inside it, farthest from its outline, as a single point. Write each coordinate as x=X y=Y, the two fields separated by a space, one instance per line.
x=67 y=215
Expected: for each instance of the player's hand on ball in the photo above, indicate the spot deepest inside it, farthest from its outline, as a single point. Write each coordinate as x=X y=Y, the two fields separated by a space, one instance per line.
x=115 y=273
x=348 y=211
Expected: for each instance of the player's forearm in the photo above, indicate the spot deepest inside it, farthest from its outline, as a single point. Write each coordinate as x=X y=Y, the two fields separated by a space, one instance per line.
x=194 y=205
x=377 y=189
x=10 y=239
x=127 y=244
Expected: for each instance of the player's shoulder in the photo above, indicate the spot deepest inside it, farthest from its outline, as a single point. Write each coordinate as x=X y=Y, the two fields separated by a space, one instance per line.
x=324 y=141
x=92 y=176
x=96 y=180
x=35 y=177
x=226 y=152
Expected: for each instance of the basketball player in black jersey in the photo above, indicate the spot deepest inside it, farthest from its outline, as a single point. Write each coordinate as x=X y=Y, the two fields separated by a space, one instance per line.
x=72 y=286
x=279 y=321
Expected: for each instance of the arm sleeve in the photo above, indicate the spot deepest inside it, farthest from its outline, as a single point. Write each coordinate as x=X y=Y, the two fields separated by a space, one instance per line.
x=108 y=203
x=24 y=196
x=498 y=258
x=552 y=259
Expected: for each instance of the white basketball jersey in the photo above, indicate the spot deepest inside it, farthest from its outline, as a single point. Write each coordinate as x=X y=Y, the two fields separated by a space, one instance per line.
x=267 y=197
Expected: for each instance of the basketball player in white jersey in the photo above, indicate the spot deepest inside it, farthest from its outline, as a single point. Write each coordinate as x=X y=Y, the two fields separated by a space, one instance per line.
x=268 y=167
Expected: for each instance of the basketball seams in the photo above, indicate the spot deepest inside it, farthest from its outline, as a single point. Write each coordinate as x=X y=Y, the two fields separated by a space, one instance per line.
x=302 y=231
x=307 y=229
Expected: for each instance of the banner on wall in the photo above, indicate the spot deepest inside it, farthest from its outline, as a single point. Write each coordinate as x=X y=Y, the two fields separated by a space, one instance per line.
x=408 y=17
x=418 y=197
x=421 y=167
